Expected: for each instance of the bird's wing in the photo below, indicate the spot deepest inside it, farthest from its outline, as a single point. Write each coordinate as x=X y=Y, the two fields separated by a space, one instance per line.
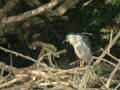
x=83 y=51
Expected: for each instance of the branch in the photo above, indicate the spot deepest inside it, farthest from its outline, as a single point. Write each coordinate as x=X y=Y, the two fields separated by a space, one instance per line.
x=11 y=4
x=17 y=54
x=62 y=9
x=112 y=42
x=31 y=13
x=17 y=79
x=112 y=75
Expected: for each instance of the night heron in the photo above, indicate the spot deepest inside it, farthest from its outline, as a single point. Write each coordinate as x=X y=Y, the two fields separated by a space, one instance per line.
x=81 y=47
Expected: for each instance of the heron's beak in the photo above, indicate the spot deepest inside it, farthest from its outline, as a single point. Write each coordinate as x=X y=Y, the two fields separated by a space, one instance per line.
x=64 y=41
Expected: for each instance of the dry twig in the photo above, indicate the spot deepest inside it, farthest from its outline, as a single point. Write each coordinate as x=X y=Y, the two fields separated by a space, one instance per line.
x=18 y=78
x=17 y=54
x=112 y=75
x=108 y=47
x=31 y=13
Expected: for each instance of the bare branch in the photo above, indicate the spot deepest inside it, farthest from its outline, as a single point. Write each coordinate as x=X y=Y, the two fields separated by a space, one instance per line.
x=116 y=88
x=112 y=75
x=11 y=4
x=105 y=60
x=65 y=6
x=108 y=47
x=115 y=58
x=18 y=78
x=17 y=54
x=31 y=13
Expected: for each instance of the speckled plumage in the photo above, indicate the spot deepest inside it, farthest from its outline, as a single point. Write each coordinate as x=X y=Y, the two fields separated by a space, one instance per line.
x=80 y=45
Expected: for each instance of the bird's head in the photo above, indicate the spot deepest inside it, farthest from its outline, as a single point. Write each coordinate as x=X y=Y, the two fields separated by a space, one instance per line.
x=74 y=38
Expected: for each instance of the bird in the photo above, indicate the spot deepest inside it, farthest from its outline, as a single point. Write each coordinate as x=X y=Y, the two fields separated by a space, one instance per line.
x=80 y=43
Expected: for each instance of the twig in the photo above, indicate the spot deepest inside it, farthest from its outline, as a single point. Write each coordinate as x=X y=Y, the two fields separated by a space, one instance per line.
x=61 y=52
x=42 y=57
x=108 y=47
x=17 y=54
x=115 y=58
x=62 y=9
x=18 y=78
x=49 y=55
x=31 y=13
x=110 y=41
x=10 y=5
x=104 y=79
x=112 y=75
x=118 y=86
x=8 y=68
x=105 y=60
x=87 y=3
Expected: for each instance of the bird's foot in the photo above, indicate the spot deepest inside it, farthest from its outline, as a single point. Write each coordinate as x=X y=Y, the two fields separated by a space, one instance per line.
x=82 y=64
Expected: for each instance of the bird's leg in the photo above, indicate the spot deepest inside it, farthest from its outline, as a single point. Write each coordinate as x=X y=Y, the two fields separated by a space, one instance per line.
x=82 y=63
